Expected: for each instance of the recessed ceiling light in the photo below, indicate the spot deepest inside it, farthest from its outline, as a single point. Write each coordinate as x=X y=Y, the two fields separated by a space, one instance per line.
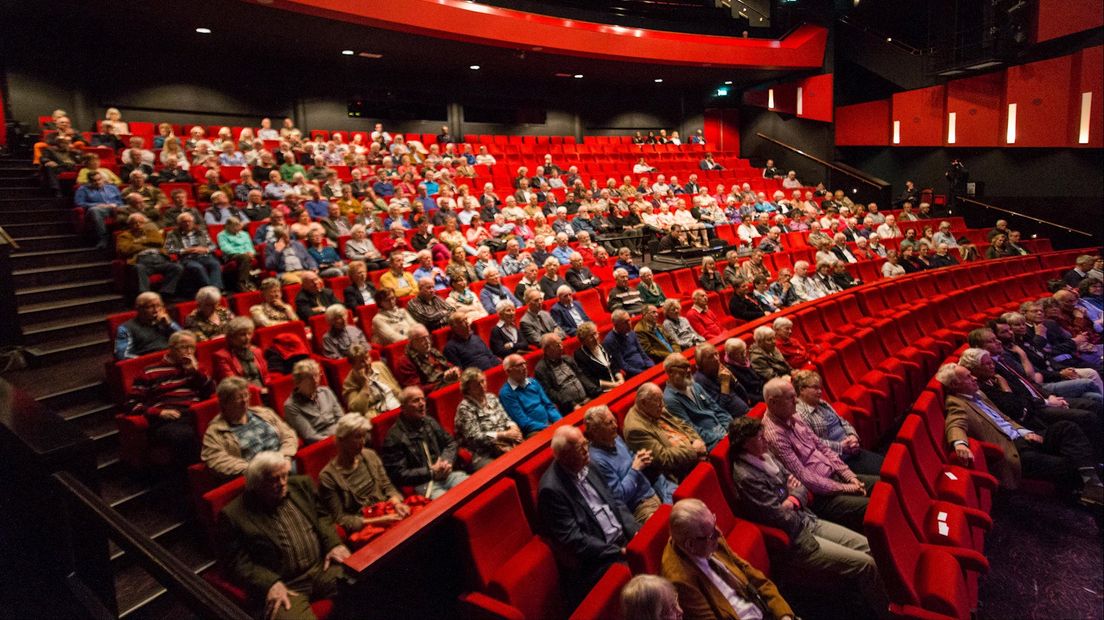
x=659 y=80
x=370 y=55
x=728 y=83
x=203 y=30
x=578 y=76
x=347 y=52
x=474 y=67
x=889 y=39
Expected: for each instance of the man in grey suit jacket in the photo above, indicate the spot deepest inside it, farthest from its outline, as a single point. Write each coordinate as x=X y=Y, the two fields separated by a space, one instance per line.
x=587 y=524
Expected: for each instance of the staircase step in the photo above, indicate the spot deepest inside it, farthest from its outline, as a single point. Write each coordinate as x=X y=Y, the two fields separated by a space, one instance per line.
x=28 y=182
x=78 y=412
x=38 y=203
x=98 y=424
x=24 y=188
x=93 y=305
x=77 y=347
x=29 y=229
x=52 y=242
x=43 y=275
x=46 y=331
x=65 y=290
x=18 y=172
x=15 y=217
x=138 y=594
x=50 y=258
x=76 y=396
x=118 y=486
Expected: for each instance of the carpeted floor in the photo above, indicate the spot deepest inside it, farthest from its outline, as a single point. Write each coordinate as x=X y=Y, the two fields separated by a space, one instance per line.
x=1046 y=561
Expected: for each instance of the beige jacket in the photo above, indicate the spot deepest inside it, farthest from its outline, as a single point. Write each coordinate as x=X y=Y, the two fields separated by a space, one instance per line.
x=222 y=452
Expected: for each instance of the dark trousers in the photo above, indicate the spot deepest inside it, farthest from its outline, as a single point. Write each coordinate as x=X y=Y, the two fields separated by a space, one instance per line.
x=1082 y=414
x=244 y=265
x=205 y=268
x=178 y=436
x=865 y=462
x=148 y=264
x=1064 y=450
x=847 y=510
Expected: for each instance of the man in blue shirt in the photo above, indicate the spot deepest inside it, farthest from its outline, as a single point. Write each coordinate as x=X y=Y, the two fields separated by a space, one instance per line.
x=317 y=207
x=99 y=200
x=689 y=401
x=465 y=349
x=621 y=344
x=621 y=470
x=563 y=251
x=383 y=187
x=524 y=399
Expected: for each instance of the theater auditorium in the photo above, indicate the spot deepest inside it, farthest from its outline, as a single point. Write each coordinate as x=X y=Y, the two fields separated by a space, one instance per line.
x=560 y=309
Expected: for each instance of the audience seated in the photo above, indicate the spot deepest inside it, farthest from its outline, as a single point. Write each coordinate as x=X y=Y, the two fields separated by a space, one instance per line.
x=369 y=389
x=312 y=409
x=524 y=399
x=341 y=336
x=833 y=430
x=482 y=425
x=766 y=359
x=280 y=574
x=239 y=358
x=562 y=379
x=194 y=249
x=147 y=332
x=100 y=201
x=418 y=452
x=422 y=365
x=465 y=348
x=622 y=470
x=392 y=323
x=239 y=432
x=675 y=446
x=209 y=319
x=141 y=244
x=692 y=403
x=272 y=310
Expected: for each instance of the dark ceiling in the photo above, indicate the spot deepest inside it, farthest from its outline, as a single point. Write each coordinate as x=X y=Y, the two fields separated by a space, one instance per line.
x=255 y=36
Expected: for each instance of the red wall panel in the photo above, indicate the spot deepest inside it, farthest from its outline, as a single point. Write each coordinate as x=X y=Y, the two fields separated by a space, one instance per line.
x=1057 y=18
x=722 y=129
x=921 y=115
x=816 y=95
x=977 y=104
x=1042 y=93
x=1088 y=71
x=863 y=124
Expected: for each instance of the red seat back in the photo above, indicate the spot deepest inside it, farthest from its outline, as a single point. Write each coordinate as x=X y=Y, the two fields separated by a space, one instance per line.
x=493 y=528
x=645 y=551
x=743 y=537
x=310 y=460
x=604 y=600
x=528 y=475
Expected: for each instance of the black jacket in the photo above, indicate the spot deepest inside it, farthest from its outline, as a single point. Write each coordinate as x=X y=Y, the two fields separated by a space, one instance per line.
x=402 y=453
x=502 y=346
x=353 y=297
x=304 y=301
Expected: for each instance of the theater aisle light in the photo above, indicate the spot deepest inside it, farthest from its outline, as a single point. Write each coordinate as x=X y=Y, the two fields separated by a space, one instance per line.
x=578 y=76
x=203 y=30
x=347 y=52
x=659 y=80
x=474 y=67
x=896 y=132
x=770 y=98
x=1086 y=112
x=1010 y=132
x=951 y=118
x=800 y=103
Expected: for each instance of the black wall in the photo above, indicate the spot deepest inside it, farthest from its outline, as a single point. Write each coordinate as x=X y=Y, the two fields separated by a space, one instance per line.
x=813 y=137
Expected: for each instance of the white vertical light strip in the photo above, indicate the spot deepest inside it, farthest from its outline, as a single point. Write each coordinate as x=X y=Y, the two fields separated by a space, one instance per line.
x=1010 y=134
x=770 y=98
x=1086 y=112
x=800 y=103
x=896 y=132
x=951 y=137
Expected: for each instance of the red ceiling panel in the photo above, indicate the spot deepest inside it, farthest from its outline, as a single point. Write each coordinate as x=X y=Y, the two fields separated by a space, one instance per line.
x=977 y=104
x=863 y=124
x=1057 y=18
x=816 y=98
x=1041 y=91
x=920 y=113
x=487 y=25
x=1089 y=78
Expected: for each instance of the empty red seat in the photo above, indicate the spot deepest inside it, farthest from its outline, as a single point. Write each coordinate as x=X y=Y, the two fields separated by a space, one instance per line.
x=528 y=475
x=604 y=600
x=952 y=483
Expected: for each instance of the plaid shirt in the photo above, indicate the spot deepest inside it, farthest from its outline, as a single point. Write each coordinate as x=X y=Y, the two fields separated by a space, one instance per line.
x=810 y=461
x=826 y=424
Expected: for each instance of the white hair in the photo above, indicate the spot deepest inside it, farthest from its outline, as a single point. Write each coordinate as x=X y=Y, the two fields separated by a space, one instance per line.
x=261 y=465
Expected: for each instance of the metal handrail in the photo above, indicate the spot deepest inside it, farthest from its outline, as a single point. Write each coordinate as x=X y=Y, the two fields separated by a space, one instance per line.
x=198 y=595
x=875 y=183
x=1024 y=215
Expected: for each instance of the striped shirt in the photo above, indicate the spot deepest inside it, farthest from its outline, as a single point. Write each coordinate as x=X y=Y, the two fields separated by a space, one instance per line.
x=297 y=539
x=165 y=385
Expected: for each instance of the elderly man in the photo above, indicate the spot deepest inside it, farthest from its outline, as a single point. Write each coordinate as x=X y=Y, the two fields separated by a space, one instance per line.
x=313 y=297
x=561 y=378
x=152 y=196
x=588 y=525
x=147 y=332
x=717 y=381
x=820 y=551
x=624 y=347
x=277 y=543
x=536 y=322
x=464 y=348
x=418 y=452
x=578 y=276
x=622 y=470
x=675 y=446
x=654 y=337
x=514 y=261
x=832 y=429
x=195 y=251
x=690 y=402
x=703 y=320
x=1060 y=453
x=422 y=365
x=427 y=307
x=239 y=432
x=493 y=292
x=566 y=312
x=524 y=399
x=401 y=282
x=99 y=200
x=166 y=391
x=804 y=285
x=1082 y=265
x=622 y=296
x=142 y=245
x=840 y=494
x=312 y=409
x=712 y=581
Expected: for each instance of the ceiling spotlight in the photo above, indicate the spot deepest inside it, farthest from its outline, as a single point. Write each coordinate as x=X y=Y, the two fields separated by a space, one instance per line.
x=728 y=83
x=578 y=76
x=203 y=30
x=659 y=80
x=889 y=39
x=474 y=67
x=347 y=52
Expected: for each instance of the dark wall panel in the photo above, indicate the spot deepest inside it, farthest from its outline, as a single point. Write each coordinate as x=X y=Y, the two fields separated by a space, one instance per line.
x=812 y=137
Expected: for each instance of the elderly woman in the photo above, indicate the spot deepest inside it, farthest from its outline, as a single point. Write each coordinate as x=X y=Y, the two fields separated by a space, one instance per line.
x=711 y=279
x=341 y=336
x=240 y=358
x=369 y=388
x=209 y=319
x=737 y=362
x=272 y=310
x=796 y=352
x=459 y=263
x=650 y=292
x=766 y=360
x=355 y=479
x=329 y=262
x=392 y=323
x=892 y=268
x=649 y=597
x=506 y=338
x=312 y=409
x=360 y=247
x=678 y=326
x=593 y=359
x=834 y=431
x=462 y=299
x=482 y=425
x=237 y=248
x=239 y=431
x=484 y=260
